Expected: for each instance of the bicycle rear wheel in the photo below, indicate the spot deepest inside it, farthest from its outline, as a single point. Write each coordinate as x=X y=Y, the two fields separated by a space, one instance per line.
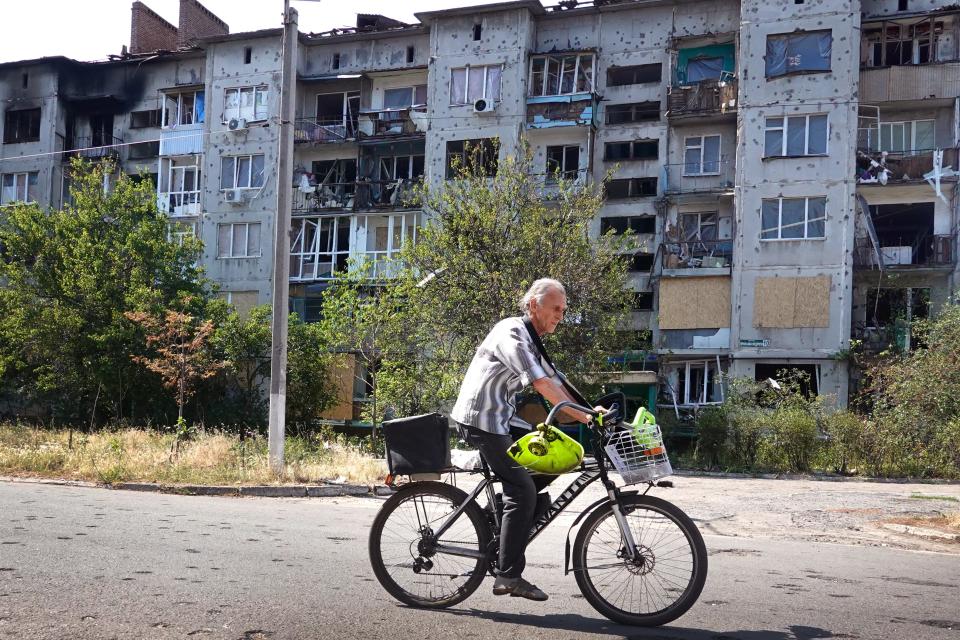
x=667 y=576
x=402 y=546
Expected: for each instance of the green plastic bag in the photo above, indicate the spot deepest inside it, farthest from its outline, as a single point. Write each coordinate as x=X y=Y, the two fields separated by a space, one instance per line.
x=547 y=450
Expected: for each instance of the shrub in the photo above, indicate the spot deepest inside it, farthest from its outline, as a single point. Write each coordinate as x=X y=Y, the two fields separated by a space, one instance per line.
x=712 y=431
x=793 y=438
x=845 y=433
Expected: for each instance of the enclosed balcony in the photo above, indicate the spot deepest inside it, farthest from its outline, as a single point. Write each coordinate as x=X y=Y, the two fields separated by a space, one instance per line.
x=705 y=98
x=358 y=195
x=392 y=123
x=700 y=175
x=96 y=147
x=698 y=255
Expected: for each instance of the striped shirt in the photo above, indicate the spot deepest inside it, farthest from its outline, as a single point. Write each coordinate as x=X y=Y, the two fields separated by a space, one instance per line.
x=506 y=361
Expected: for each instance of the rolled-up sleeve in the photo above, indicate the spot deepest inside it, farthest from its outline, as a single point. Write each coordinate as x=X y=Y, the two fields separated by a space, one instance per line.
x=518 y=354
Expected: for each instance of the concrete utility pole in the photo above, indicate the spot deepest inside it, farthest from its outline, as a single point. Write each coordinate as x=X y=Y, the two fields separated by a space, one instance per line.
x=281 y=241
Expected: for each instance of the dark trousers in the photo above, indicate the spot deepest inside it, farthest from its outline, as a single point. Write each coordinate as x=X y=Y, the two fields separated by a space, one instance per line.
x=520 y=489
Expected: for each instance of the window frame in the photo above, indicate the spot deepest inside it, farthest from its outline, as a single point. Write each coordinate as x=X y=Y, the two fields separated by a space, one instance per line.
x=197 y=115
x=491 y=163
x=634 y=109
x=633 y=187
x=806 y=219
x=912 y=148
x=787 y=37
x=466 y=83
x=154 y=118
x=255 y=90
x=31 y=183
x=33 y=120
x=703 y=392
x=246 y=243
x=634 y=70
x=785 y=136
x=702 y=163
x=562 y=172
x=634 y=145
x=236 y=168
x=560 y=59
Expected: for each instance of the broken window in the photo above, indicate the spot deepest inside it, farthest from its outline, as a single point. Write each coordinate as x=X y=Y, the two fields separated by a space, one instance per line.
x=181 y=108
x=796 y=136
x=320 y=247
x=180 y=187
x=701 y=156
x=642 y=262
x=623 y=224
x=897 y=44
x=563 y=161
x=561 y=75
x=906 y=233
x=21 y=126
x=403 y=97
x=636 y=74
x=799 y=52
x=142 y=150
x=401 y=167
x=633 y=150
x=793 y=218
x=144 y=119
x=382 y=236
x=633 y=112
x=472 y=155
x=642 y=300
x=631 y=188
x=246 y=103
x=18 y=187
x=806 y=375
x=699 y=227
x=241 y=172
x=698 y=383
x=339 y=110
x=238 y=240
x=468 y=84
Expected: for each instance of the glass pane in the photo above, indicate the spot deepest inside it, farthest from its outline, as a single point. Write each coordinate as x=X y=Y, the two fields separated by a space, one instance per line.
x=770 y=220
x=493 y=83
x=585 y=74
x=257 y=170
x=223 y=241
x=796 y=134
x=691 y=161
x=170 y=110
x=239 y=246
x=186 y=108
x=200 y=107
x=420 y=94
x=475 y=84
x=227 y=173
x=536 y=76
x=711 y=154
x=897 y=137
x=458 y=86
x=261 y=109
x=690 y=227
x=246 y=103
x=253 y=239
x=885 y=139
x=816 y=217
x=397 y=98
x=773 y=144
x=569 y=66
x=32 y=187
x=571 y=161
x=553 y=77
x=818 y=135
x=232 y=104
x=243 y=172
x=792 y=221
x=923 y=135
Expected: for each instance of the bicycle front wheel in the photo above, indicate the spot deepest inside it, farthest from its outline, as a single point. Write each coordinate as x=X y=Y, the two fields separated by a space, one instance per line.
x=409 y=559
x=663 y=580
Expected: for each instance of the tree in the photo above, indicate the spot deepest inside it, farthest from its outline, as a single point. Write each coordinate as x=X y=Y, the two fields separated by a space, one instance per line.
x=486 y=241
x=69 y=275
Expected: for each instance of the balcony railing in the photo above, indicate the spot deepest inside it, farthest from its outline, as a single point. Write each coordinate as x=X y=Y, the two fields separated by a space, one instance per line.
x=179 y=203
x=94 y=147
x=181 y=140
x=547 y=112
x=707 y=97
x=900 y=166
x=390 y=122
x=707 y=176
x=696 y=254
x=310 y=130
x=912 y=82
x=922 y=250
x=358 y=196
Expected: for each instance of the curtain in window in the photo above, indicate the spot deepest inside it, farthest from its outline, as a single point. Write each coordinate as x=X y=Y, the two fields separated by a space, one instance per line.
x=798 y=52
x=711 y=154
x=816 y=217
x=201 y=107
x=773 y=142
x=818 y=135
x=227 y=173
x=261 y=109
x=493 y=83
x=475 y=84
x=256 y=178
x=704 y=69
x=770 y=220
x=796 y=136
x=458 y=86
x=792 y=218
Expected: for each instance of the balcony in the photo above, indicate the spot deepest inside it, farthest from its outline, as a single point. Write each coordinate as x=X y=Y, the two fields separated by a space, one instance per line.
x=906 y=252
x=94 y=148
x=705 y=98
x=547 y=112
x=179 y=203
x=697 y=256
x=939 y=80
x=901 y=166
x=706 y=177
x=181 y=140
x=360 y=195
x=392 y=123
x=311 y=130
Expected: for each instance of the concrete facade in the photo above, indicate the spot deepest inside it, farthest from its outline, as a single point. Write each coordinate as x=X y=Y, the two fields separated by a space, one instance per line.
x=720 y=123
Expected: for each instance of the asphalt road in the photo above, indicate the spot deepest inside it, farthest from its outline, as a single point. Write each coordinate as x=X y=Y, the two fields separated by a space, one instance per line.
x=94 y=563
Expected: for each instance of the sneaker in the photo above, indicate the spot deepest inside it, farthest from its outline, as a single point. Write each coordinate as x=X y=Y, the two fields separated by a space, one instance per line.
x=517 y=588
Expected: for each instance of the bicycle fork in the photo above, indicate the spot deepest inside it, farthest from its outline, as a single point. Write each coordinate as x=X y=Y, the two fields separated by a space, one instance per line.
x=626 y=535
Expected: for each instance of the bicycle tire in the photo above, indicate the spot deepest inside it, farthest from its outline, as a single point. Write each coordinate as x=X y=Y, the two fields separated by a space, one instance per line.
x=394 y=527
x=651 y=520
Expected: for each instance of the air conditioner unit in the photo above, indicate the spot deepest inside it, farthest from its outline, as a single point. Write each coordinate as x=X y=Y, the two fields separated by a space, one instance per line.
x=483 y=105
x=236 y=124
x=234 y=196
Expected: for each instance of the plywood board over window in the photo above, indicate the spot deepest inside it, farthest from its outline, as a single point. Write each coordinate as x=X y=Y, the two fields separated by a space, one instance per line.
x=343 y=376
x=791 y=303
x=695 y=303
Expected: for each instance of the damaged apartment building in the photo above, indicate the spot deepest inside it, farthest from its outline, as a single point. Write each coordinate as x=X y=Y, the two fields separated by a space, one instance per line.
x=787 y=171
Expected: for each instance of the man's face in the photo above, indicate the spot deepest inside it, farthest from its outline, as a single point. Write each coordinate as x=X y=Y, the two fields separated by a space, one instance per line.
x=548 y=313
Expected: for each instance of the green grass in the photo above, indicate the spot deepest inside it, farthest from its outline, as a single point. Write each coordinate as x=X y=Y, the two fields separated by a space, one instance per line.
x=920 y=496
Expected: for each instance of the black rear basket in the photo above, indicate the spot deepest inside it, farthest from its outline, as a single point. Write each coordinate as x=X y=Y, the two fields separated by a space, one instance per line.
x=418 y=444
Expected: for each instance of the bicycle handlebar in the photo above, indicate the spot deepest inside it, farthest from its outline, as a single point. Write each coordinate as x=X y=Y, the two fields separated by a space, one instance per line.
x=587 y=410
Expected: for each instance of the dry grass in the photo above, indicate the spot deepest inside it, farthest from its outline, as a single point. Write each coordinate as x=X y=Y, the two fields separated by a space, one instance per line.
x=134 y=455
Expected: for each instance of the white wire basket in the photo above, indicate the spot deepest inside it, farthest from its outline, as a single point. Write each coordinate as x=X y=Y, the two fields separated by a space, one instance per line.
x=638 y=454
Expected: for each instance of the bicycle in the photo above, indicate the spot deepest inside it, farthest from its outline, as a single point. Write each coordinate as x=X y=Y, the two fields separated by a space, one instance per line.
x=637 y=559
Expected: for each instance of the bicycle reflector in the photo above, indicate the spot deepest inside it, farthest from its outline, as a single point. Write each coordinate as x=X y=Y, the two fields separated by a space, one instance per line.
x=547 y=450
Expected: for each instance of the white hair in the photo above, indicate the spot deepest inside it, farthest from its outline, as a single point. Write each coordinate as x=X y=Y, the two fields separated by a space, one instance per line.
x=538 y=290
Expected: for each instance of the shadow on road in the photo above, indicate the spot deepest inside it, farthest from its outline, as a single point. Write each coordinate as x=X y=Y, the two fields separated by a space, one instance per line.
x=603 y=627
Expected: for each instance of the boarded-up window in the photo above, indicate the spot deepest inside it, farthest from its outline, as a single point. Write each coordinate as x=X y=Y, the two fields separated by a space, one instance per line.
x=695 y=303
x=242 y=301
x=343 y=375
x=790 y=303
